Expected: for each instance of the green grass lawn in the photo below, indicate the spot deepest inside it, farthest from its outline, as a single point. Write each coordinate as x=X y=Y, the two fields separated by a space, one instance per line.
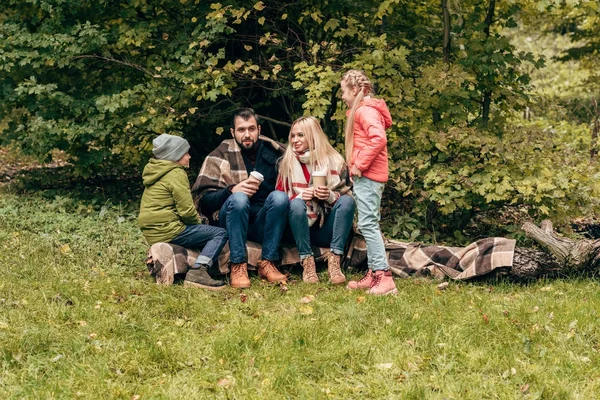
x=81 y=318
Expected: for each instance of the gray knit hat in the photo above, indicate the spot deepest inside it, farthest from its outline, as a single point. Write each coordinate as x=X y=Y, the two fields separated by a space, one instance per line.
x=170 y=147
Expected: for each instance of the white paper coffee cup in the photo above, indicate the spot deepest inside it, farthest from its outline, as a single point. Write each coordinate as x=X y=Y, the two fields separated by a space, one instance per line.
x=319 y=178
x=257 y=175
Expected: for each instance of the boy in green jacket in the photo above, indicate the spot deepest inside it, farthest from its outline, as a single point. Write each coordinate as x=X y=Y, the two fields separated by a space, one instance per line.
x=167 y=212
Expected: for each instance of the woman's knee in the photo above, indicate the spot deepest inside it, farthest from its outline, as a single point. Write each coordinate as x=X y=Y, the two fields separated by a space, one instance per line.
x=346 y=204
x=297 y=207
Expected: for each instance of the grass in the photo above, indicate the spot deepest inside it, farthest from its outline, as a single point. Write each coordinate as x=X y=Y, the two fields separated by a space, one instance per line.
x=80 y=318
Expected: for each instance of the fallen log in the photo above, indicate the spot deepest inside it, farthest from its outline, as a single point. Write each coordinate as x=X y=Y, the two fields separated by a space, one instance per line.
x=568 y=255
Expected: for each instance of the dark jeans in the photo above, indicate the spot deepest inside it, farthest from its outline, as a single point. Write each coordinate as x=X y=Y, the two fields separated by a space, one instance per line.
x=334 y=232
x=265 y=226
x=211 y=239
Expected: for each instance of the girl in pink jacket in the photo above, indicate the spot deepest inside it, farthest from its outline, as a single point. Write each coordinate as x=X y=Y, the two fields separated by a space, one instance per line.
x=366 y=154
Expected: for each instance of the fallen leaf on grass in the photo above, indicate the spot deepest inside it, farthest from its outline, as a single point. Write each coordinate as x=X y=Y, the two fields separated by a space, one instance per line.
x=525 y=388
x=307 y=299
x=486 y=319
x=136 y=397
x=283 y=287
x=306 y=310
x=224 y=382
x=385 y=366
x=65 y=249
x=360 y=299
x=443 y=286
x=243 y=297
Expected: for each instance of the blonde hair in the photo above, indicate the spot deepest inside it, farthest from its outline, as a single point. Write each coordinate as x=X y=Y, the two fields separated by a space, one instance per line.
x=322 y=154
x=355 y=78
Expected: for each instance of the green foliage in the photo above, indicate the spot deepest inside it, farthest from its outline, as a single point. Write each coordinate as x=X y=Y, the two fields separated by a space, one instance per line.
x=99 y=82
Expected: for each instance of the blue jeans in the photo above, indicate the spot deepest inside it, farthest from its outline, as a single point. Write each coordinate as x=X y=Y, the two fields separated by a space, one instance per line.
x=211 y=239
x=265 y=226
x=333 y=233
x=367 y=194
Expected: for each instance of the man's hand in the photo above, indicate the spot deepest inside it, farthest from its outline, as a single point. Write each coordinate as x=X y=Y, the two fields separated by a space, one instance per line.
x=322 y=193
x=249 y=186
x=355 y=171
x=308 y=194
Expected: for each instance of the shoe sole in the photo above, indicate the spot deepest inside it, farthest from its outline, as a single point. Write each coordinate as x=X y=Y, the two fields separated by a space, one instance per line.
x=198 y=285
x=390 y=293
x=273 y=281
x=241 y=286
x=358 y=288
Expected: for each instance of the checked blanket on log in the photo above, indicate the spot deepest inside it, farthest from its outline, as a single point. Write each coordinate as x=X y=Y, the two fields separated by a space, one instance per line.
x=407 y=259
x=479 y=258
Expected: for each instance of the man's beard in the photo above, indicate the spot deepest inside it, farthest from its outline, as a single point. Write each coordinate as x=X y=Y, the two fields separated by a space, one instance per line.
x=246 y=146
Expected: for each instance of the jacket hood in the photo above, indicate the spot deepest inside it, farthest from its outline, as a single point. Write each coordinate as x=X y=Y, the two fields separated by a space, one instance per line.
x=156 y=169
x=379 y=105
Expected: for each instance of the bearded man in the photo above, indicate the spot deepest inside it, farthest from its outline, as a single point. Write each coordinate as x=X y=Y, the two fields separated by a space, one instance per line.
x=249 y=209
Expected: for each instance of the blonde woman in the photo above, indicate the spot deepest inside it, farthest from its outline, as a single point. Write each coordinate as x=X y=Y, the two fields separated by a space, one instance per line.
x=320 y=215
x=366 y=153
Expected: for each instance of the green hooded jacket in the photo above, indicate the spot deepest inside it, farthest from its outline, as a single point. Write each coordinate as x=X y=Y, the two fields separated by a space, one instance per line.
x=167 y=205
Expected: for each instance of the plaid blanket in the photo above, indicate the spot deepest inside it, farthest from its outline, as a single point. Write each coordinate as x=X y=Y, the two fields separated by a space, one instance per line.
x=406 y=259
x=223 y=167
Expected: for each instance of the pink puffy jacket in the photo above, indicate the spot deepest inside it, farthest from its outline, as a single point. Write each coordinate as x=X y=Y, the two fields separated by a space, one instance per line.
x=369 y=154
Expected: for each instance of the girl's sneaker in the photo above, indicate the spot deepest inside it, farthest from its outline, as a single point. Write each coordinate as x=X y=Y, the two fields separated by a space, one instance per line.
x=383 y=283
x=364 y=283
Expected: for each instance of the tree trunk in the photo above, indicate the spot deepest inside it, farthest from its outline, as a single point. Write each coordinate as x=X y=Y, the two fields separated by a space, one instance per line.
x=487 y=95
x=532 y=263
x=446 y=18
x=595 y=130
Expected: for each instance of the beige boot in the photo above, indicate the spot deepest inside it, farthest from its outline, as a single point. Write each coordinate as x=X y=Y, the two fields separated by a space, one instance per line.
x=335 y=270
x=309 y=272
x=239 y=276
x=268 y=270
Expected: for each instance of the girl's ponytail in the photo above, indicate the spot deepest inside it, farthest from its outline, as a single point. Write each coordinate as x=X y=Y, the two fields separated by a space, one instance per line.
x=354 y=78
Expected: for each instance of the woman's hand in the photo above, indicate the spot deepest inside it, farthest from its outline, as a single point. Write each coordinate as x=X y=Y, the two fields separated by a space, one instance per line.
x=308 y=194
x=322 y=193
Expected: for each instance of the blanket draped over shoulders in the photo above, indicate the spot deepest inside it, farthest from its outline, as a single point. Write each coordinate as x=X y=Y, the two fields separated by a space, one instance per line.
x=222 y=168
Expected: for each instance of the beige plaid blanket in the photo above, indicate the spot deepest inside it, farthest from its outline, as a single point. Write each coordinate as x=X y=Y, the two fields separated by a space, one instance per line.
x=406 y=259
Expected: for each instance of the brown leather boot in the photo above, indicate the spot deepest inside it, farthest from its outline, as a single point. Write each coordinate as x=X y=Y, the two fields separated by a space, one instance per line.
x=309 y=272
x=239 y=276
x=336 y=276
x=268 y=270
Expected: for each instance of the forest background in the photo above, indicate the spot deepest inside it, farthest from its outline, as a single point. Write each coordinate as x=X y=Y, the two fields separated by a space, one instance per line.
x=495 y=103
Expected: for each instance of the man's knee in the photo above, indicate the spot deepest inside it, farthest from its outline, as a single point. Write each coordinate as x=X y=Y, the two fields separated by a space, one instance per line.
x=238 y=202
x=278 y=199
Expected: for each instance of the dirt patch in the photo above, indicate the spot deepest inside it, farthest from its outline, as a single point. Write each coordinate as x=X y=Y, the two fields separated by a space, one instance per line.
x=13 y=164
